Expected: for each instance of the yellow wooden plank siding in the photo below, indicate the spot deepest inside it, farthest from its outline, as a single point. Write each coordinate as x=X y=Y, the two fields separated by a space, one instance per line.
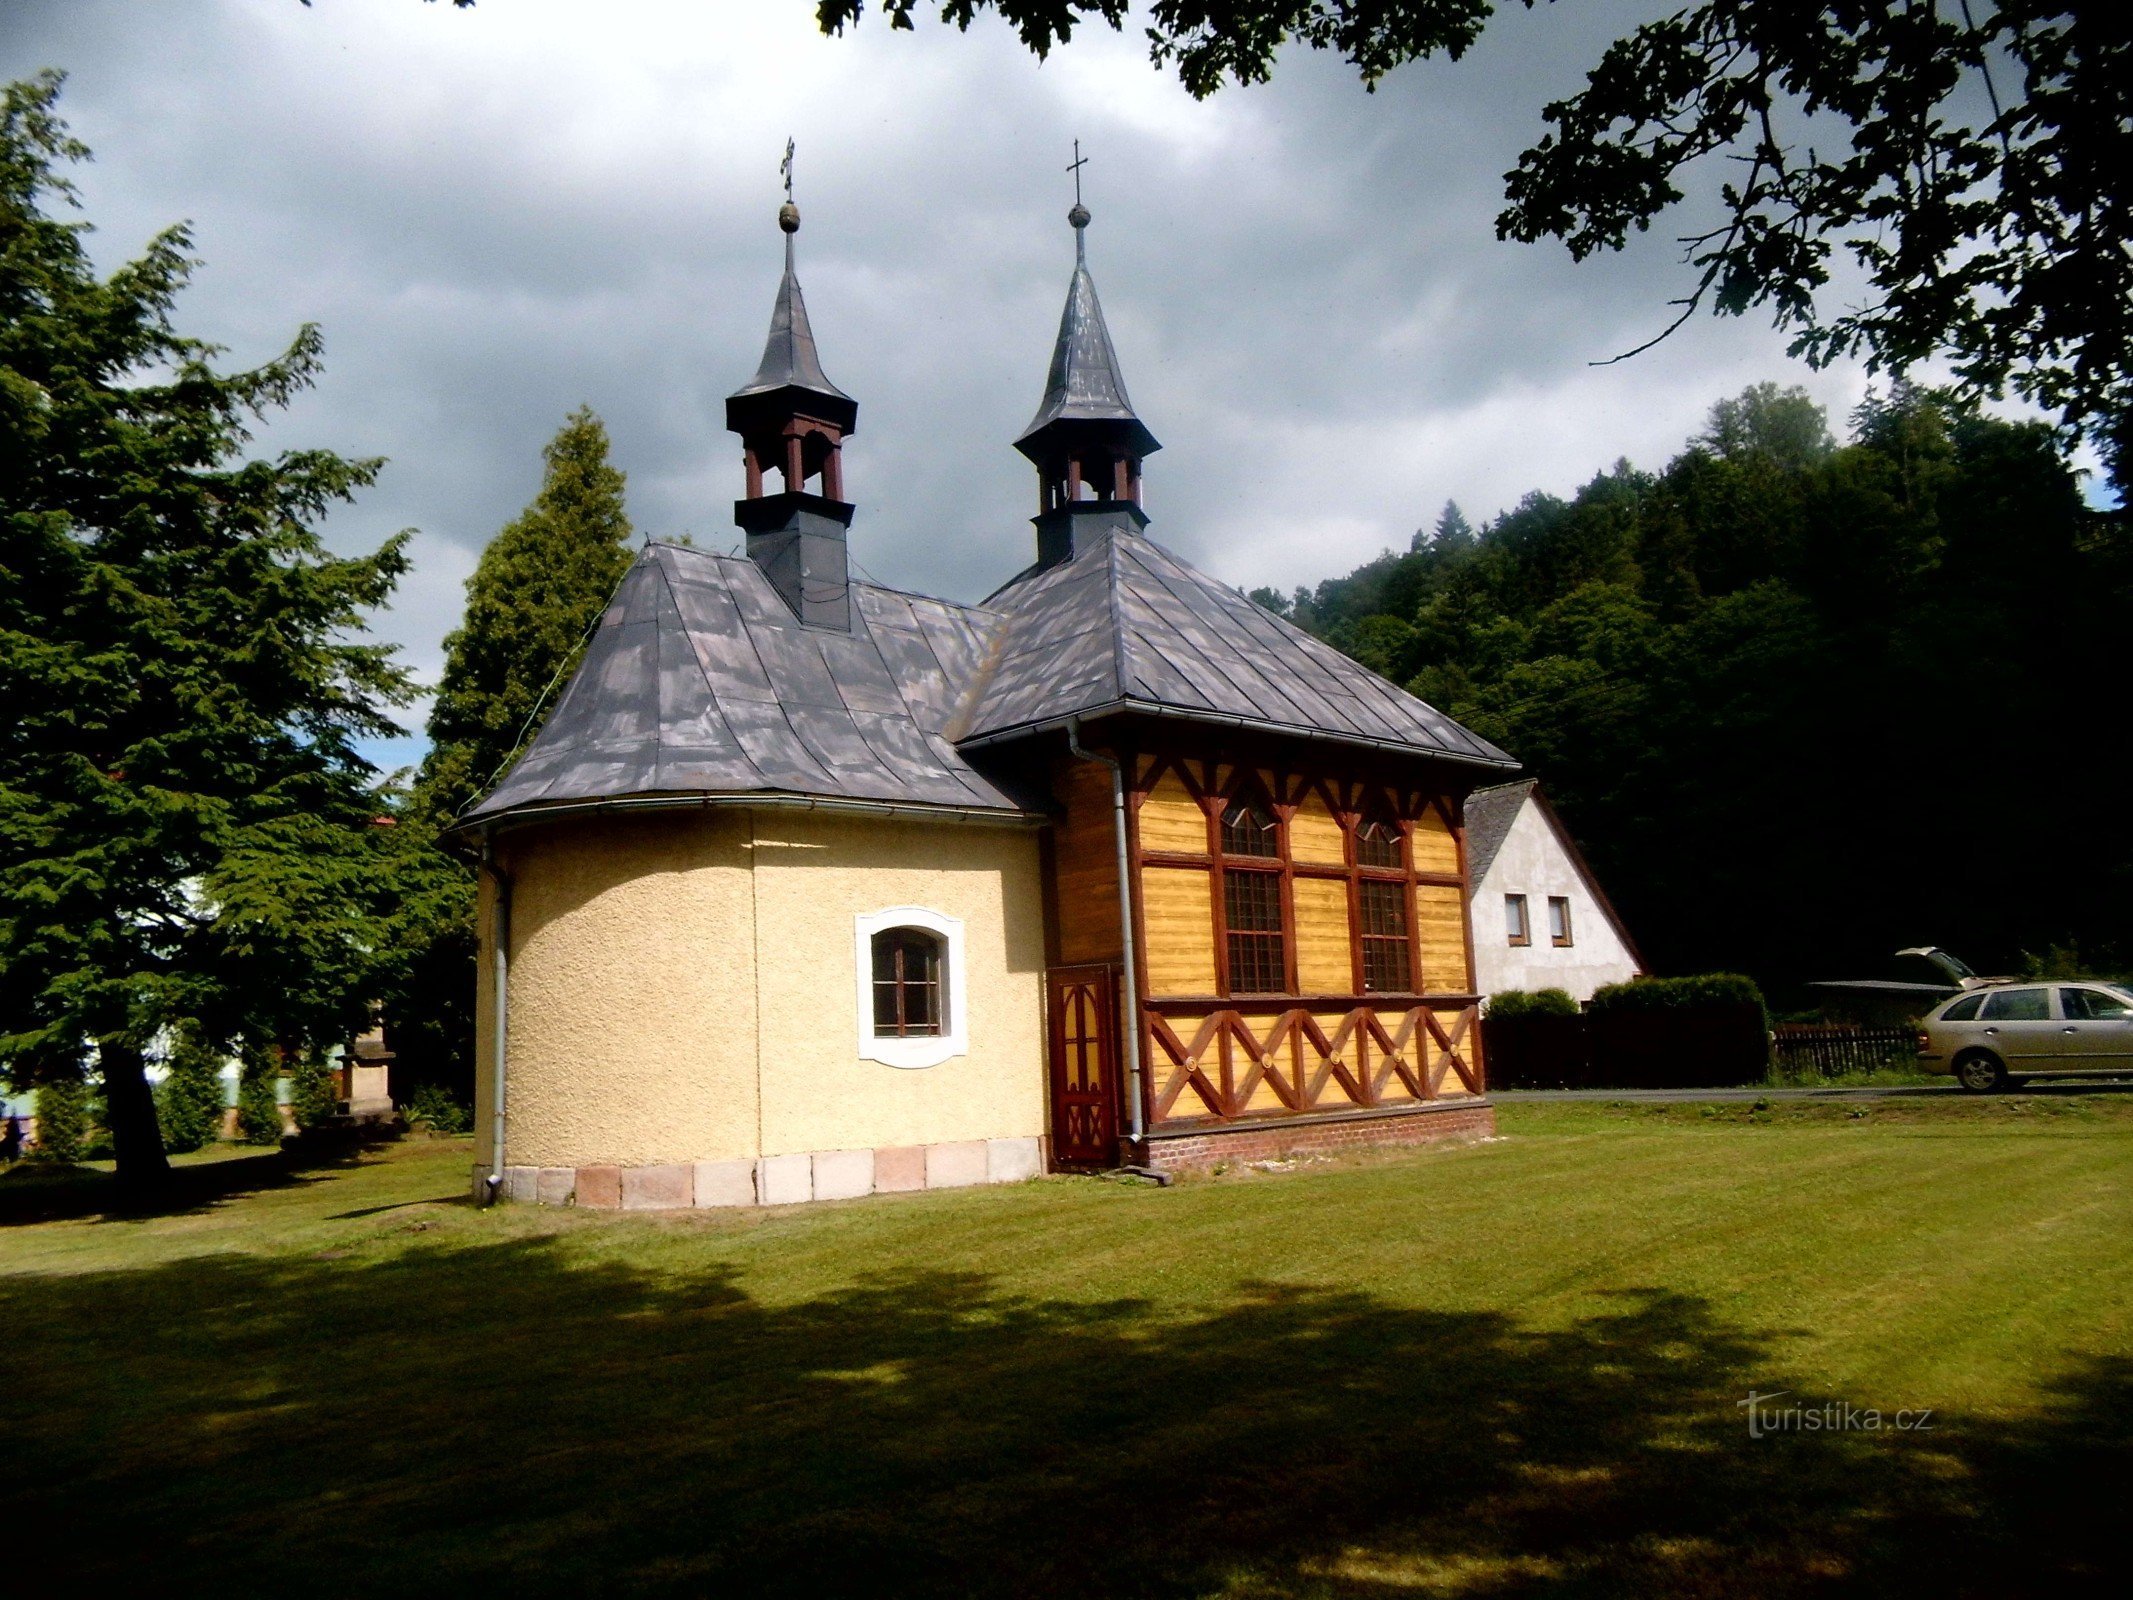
x=1314 y=835
x=1322 y=959
x=1181 y=931
x=1171 y=819
x=1435 y=847
x=1443 y=938
x=1085 y=865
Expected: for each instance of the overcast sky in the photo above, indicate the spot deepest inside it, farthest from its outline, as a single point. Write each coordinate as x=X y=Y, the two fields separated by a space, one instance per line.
x=500 y=213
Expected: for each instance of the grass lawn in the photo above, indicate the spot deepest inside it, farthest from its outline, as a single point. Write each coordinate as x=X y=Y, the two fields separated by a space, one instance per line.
x=1513 y=1368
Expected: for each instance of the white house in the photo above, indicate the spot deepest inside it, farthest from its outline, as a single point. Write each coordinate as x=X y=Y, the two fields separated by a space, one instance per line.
x=1541 y=920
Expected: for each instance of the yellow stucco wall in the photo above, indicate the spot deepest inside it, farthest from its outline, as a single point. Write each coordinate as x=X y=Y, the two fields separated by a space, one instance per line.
x=813 y=874
x=644 y=1030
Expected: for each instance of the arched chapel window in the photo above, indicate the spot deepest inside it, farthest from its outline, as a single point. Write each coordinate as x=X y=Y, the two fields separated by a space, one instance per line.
x=910 y=983
x=1249 y=829
x=1377 y=844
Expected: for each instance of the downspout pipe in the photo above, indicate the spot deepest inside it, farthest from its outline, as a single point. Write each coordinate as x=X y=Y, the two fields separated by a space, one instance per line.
x=1132 y=1019
x=500 y=1004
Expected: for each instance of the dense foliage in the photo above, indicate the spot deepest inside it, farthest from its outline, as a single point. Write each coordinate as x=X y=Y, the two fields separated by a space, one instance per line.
x=1508 y=1003
x=64 y=1118
x=1888 y=180
x=186 y=827
x=1669 y=994
x=189 y=1101
x=532 y=601
x=1802 y=703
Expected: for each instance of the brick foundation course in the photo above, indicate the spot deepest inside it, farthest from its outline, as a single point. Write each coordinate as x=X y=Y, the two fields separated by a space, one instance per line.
x=1269 y=1141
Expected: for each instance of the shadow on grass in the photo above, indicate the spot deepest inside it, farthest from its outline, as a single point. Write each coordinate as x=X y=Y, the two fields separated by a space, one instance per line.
x=35 y=1191
x=509 y=1414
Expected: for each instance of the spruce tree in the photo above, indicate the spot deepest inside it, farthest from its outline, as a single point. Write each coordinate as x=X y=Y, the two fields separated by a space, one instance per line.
x=1454 y=535
x=186 y=828
x=539 y=587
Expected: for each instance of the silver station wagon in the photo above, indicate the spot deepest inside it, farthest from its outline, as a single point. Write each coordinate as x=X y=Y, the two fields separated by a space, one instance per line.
x=2029 y=1030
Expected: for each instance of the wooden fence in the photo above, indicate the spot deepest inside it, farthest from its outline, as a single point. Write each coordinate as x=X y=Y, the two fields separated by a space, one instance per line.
x=1807 y=1050
x=1685 y=1047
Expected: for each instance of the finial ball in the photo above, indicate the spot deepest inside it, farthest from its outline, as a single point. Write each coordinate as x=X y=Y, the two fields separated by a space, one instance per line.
x=1079 y=216
x=789 y=217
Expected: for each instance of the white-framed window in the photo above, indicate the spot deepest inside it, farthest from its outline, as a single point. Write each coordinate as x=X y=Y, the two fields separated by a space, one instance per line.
x=911 y=989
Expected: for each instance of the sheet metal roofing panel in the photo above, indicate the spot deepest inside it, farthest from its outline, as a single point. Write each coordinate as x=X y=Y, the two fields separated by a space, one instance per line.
x=1127 y=623
x=699 y=681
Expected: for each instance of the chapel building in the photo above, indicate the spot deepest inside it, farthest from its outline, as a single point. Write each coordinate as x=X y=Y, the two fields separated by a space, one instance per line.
x=811 y=888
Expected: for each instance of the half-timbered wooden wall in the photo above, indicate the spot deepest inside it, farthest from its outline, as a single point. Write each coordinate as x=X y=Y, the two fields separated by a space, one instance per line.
x=1322 y=1036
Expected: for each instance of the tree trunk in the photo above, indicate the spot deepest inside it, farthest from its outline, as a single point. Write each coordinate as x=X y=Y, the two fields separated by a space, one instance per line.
x=130 y=1109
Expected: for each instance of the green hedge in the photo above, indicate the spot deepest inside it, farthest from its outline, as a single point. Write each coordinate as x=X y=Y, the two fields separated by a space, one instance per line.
x=1662 y=994
x=189 y=1099
x=1533 y=1003
x=65 y=1120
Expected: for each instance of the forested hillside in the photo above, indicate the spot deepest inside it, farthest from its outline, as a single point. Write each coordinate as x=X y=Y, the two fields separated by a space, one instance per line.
x=1802 y=702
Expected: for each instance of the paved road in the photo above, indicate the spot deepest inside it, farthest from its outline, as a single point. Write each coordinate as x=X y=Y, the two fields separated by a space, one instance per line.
x=1698 y=1096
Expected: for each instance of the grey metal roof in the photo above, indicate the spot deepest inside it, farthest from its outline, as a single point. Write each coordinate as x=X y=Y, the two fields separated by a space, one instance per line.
x=700 y=681
x=1489 y=815
x=790 y=359
x=1084 y=383
x=1127 y=626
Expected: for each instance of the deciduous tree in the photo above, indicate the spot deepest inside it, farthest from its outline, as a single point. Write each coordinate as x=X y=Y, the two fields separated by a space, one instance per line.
x=1972 y=163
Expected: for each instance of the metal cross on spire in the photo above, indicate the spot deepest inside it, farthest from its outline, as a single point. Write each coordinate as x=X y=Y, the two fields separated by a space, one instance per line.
x=785 y=171
x=1079 y=162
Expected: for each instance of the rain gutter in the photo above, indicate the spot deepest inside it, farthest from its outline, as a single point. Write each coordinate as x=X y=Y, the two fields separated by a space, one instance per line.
x=1231 y=719
x=1132 y=1019
x=500 y=1000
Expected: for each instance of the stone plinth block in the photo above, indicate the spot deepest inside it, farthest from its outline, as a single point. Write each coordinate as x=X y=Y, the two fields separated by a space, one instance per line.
x=1012 y=1160
x=600 y=1187
x=664 y=1188
x=725 y=1183
x=843 y=1174
x=556 y=1185
x=522 y=1185
x=785 y=1180
x=899 y=1167
x=951 y=1166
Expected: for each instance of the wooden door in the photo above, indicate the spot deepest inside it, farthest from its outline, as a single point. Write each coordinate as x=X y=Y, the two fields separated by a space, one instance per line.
x=1082 y=1017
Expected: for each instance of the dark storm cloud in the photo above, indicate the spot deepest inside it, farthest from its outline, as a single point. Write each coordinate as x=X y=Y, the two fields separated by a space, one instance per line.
x=498 y=214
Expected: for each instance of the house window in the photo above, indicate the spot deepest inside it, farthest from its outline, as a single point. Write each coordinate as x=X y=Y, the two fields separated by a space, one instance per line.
x=910 y=986
x=1558 y=920
x=1386 y=966
x=1258 y=958
x=1377 y=844
x=1514 y=919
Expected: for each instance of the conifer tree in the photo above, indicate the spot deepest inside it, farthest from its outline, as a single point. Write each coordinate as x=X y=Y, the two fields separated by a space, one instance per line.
x=189 y=1099
x=185 y=824
x=1454 y=535
x=539 y=587
x=62 y=1118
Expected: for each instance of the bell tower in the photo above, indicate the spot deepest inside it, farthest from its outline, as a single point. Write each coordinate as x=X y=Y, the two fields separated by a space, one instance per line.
x=1085 y=440
x=793 y=421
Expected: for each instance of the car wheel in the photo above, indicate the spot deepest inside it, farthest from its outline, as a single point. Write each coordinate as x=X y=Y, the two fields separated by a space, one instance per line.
x=1980 y=1071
